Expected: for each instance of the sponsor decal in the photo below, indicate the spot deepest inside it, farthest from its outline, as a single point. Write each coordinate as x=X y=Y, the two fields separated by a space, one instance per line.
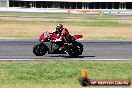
x=85 y=81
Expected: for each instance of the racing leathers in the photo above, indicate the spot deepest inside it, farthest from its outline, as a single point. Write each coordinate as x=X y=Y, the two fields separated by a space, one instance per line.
x=64 y=37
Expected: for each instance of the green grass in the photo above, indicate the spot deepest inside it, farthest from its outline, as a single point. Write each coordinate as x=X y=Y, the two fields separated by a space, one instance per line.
x=89 y=24
x=61 y=72
x=99 y=24
x=56 y=15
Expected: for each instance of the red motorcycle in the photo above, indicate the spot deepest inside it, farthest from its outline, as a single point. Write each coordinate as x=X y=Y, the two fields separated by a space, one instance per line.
x=47 y=44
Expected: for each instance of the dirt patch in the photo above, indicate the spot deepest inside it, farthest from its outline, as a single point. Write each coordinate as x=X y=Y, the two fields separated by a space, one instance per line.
x=34 y=31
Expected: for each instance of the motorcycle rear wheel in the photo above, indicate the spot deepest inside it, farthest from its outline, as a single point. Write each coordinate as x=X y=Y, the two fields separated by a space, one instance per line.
x=75 y=50
x=39 y=50
x=80 y=48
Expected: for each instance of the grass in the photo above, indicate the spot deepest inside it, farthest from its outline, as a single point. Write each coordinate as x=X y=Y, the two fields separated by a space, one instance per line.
x=87 y=24
x=57 y=74
x=56 y=15
x=58 y=86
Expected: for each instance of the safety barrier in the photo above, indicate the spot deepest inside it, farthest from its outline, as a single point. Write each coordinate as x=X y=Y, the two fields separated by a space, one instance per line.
x=85 y=11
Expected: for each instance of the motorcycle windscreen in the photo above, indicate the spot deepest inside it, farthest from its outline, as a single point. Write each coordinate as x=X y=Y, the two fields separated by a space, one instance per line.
x=44 y=36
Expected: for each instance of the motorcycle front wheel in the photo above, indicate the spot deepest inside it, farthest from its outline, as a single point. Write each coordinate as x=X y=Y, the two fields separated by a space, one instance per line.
x=39 y=50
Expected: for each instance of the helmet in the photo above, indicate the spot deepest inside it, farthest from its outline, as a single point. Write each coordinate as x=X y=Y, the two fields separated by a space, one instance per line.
x=59 y=27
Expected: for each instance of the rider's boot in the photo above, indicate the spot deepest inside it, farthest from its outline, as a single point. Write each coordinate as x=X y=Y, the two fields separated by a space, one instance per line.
x=62 y=49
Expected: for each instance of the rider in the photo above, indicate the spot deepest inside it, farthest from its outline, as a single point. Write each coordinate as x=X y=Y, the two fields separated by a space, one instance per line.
x=63 y=33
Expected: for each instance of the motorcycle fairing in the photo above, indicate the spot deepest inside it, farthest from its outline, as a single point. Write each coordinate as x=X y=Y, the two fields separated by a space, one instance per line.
x=53 y=48
x=77 y=36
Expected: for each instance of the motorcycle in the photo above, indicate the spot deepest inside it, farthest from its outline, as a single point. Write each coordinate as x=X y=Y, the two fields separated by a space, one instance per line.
x=46 y=44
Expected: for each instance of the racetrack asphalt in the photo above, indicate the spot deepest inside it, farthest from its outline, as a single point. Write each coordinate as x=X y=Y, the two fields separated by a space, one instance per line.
x=101 y=49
